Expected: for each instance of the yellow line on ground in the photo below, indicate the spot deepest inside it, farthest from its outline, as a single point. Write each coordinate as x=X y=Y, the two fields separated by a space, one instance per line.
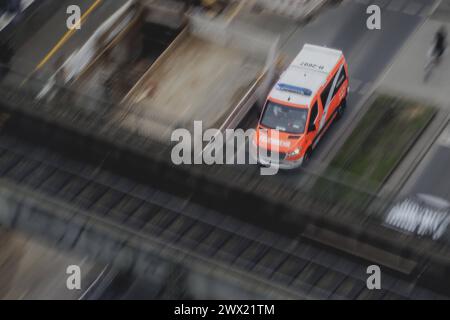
x=237 y=10
x=66 y=36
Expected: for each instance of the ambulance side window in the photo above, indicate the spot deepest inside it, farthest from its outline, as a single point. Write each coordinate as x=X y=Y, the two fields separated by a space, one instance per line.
x=342 y=76
x=313 y=117
x=325 y=93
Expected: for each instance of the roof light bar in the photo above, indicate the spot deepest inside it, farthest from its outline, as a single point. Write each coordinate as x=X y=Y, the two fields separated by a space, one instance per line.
x=294 y=89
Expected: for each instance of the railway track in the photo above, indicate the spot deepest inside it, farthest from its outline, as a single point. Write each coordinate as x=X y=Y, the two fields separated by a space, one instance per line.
x=300 y=267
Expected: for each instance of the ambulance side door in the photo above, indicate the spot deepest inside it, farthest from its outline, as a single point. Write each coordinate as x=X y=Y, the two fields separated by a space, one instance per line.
x=341 y=87
x=312 y=128
x=326 y=102
x=329 y=99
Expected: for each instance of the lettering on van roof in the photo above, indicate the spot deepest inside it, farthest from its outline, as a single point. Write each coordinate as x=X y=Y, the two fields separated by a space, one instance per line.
x=317 y=59
x=314 y=66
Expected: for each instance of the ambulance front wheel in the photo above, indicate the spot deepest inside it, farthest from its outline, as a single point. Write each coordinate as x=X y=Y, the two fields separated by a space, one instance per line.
x=307 y=157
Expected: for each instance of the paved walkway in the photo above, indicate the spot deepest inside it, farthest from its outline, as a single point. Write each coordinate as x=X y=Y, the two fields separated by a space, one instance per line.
x=405 y=78
x=406 y=75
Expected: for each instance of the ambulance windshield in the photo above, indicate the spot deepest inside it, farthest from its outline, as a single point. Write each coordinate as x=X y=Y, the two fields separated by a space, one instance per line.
x=284 y=118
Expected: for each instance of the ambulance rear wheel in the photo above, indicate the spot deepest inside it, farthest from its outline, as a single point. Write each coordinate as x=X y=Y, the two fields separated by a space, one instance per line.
x=341 y=109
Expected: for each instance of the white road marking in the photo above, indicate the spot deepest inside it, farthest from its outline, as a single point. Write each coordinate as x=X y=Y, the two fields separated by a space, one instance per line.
x=381 y=3
x=354 y=85
x=366 y=88
x=396 y=5
x=426 y=11
x=93 y=283
x=445 y=138
x=404 y=6
x=412 y=8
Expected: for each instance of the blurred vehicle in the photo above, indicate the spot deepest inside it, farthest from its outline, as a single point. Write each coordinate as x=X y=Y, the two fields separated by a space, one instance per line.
x=422 y=215
x=309 y=95
x=11 y=10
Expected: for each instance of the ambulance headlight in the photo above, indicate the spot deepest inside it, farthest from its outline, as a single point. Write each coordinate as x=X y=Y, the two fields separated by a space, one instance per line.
x=294 y=153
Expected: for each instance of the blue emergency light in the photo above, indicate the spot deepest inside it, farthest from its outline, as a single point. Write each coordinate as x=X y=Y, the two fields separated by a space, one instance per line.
x=294 y=89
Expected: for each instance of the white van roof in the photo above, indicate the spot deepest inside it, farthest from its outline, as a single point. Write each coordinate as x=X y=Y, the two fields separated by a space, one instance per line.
x=306 y=74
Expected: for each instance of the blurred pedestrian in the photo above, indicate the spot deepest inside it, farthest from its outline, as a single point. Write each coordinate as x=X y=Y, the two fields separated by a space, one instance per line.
x=440 y=42
x=436 y=52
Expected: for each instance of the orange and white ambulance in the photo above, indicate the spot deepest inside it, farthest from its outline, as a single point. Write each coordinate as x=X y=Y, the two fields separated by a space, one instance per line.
x=309 y=95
